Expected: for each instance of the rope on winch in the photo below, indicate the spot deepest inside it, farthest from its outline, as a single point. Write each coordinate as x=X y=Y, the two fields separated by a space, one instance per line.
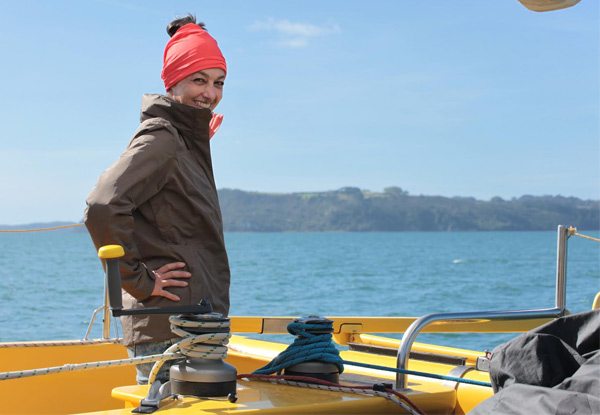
x=204 y=346
x=320 y=347
x=306 y=347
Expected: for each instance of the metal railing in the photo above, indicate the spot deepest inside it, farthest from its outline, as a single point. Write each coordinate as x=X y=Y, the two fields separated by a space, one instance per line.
x=559 y=310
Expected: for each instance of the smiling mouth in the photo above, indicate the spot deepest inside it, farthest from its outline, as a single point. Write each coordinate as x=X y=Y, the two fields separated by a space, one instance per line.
x=202 y=104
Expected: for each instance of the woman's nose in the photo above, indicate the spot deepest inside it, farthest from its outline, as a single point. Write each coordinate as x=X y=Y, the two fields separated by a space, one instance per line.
x=210 y=92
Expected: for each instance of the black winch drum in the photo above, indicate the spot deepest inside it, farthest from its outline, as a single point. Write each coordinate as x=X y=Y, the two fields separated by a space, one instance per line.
x=314 y=369
x=203 y=378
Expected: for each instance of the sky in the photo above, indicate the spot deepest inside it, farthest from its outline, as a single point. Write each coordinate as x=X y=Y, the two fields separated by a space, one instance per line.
x=469 y=98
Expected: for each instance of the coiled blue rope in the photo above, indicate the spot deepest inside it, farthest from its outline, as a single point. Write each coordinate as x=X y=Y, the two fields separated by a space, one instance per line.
x=306 y=347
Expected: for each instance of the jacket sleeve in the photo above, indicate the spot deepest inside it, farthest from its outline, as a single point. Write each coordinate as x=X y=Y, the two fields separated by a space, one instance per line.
x=140 y=173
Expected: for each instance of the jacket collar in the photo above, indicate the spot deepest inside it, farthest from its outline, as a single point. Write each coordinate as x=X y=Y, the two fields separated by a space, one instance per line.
x=189 y=121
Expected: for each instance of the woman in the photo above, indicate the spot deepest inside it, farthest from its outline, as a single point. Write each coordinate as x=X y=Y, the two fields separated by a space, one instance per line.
x=159 y=199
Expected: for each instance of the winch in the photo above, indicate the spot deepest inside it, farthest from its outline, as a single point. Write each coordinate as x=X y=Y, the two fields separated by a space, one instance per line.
x=309 y=327
x=203 y=373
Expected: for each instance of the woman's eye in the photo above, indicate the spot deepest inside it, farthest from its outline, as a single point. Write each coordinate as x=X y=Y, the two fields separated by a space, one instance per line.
x=220 y=84
x=199 y=80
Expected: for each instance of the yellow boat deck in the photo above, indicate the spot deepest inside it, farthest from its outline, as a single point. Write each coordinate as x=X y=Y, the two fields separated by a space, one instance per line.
x=113 y=391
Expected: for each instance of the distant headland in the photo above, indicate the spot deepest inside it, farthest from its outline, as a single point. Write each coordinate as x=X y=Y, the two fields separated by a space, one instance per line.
x=351 y=209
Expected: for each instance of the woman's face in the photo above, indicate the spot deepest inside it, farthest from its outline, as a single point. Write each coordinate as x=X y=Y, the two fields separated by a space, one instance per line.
x=203 y=89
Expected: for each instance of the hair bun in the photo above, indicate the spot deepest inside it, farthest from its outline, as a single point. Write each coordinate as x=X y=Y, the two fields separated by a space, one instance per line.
x=176 y=24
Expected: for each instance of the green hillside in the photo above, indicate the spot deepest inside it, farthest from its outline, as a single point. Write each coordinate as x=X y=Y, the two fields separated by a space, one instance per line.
x=353 y=210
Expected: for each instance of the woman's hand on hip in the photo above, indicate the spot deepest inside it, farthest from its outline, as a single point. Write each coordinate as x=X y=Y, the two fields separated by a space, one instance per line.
x=166 y=276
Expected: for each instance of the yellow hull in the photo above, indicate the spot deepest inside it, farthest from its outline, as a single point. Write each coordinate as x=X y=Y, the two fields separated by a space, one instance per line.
x=62 y=393
x=112 y=390
x=109 y=390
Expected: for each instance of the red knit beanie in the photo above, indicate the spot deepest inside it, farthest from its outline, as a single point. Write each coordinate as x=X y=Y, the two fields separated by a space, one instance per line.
x=191 y=49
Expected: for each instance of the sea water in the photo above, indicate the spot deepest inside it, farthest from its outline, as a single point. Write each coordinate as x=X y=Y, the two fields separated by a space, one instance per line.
x=52 y=281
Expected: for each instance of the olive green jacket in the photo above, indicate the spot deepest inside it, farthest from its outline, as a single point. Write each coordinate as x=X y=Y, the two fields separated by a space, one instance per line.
x=159 y=201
